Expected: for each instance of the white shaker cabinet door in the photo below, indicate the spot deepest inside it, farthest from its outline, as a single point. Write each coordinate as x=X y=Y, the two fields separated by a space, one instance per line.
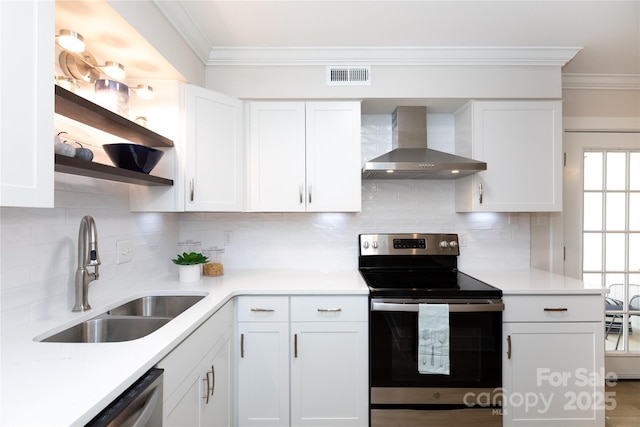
x=521 y=142
x=263 y=374
x=216 y=399
x=215 y=152
x=26 y=126
x=277 y=157
x=329 y=374
x=553 y=374
x=333 y=157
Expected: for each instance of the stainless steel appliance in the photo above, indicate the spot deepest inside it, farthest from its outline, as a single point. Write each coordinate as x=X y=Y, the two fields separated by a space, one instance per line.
x=139 y=406
x=404 y=271
x=411 y=158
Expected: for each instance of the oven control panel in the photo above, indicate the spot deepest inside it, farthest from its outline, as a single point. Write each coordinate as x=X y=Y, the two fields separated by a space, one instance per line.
x=409 y=244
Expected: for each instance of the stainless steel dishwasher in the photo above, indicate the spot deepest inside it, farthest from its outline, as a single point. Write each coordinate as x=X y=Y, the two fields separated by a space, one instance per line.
x=139 y=406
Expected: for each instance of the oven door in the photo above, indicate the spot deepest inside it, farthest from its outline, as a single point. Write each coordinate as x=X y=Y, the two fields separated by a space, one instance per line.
x=475 y=328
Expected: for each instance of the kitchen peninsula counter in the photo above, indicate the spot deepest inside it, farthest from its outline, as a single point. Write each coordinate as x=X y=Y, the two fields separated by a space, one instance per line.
x=63 y=384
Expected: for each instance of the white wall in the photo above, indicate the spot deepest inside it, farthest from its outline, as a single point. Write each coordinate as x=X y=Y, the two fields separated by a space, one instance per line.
x=38 y=256
x=328 y=241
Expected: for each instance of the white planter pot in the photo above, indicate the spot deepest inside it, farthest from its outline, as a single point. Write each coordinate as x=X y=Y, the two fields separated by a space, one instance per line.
x=189 y=273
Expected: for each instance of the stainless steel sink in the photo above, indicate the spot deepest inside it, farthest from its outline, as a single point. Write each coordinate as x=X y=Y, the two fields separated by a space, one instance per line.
x=129 y=321
x=156 y=306
x=109 y=329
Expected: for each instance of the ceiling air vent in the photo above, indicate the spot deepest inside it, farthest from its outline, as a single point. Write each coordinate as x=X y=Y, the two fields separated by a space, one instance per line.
x=349 y=76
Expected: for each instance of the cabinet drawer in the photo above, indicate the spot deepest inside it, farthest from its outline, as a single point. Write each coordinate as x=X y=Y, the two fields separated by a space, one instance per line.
x=264 y=309
x=553 y=308
x=329 y=308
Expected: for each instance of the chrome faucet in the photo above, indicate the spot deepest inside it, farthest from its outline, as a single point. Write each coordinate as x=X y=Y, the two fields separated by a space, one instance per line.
x=87 y=257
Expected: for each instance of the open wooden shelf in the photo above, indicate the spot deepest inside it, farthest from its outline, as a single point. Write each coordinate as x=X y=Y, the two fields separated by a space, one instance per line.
x=75 y=166
x=82 y=110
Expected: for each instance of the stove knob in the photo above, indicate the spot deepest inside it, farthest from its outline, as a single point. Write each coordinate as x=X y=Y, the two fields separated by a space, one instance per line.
x=366 y=245
x=444 y=244
x=453 y=244
x=374 y=244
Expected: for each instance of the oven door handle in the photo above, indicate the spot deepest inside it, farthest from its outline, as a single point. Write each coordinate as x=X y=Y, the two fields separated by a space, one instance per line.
x=454 y=306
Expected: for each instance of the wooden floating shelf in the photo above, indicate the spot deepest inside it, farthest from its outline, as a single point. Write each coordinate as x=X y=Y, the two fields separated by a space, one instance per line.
x=82 y=110
x=74 y=166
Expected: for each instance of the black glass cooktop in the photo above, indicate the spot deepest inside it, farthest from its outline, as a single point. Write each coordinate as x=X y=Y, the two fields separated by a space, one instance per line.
x=413 y=284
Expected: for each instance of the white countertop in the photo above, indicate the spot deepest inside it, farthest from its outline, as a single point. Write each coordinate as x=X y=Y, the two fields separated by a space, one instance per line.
x=531 y=281
x=63 y=384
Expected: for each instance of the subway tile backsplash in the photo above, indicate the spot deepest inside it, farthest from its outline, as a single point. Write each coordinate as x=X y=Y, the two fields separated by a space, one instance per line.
x=329 y=240
x=38 y=252
x=38 y=247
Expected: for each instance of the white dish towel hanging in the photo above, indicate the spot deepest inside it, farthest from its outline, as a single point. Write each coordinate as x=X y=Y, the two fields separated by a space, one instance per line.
x=433 y=339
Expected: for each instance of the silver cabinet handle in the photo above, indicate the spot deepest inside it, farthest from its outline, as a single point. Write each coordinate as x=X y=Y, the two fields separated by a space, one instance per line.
x=295 y=346
x=480 y=193
x=208 y=388
x=262 y=310
x=329 y=310
x=309 y=190
x=301 y=200
x=555 y=309
x=241 y=345
x=193 y=188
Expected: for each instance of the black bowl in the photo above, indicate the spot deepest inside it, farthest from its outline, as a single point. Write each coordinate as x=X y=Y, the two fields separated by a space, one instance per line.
x=133 y=157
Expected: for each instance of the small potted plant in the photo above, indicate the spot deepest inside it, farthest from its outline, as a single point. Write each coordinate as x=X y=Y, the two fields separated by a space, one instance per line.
x=190 y=266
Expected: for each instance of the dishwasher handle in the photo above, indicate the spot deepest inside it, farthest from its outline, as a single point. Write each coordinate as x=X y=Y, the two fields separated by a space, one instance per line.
x=147 y=409
x=138 y=406
x=455 y=306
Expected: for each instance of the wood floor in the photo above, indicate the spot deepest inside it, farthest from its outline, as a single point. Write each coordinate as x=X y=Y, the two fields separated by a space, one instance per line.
x=627 y=410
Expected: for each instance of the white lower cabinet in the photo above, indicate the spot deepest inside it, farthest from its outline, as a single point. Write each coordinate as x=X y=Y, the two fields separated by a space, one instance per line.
x=303 y=361
x=553 y=365
x=198 y=385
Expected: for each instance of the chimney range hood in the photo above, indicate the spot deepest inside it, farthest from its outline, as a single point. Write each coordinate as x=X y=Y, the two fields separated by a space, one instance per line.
x=411 y=159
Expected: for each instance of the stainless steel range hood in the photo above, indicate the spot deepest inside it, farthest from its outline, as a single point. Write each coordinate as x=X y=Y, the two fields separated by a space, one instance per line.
x=411 y=159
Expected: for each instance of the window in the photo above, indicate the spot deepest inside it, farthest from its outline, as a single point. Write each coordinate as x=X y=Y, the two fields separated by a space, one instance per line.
x=611 y=239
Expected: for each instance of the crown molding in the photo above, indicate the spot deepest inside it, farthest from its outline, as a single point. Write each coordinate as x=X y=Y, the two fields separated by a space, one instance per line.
x=180 y=19
x=601 y=81
x=210 y=55
x=400 y=55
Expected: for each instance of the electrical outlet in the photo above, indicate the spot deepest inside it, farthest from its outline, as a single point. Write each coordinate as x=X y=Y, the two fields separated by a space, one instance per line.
x=228 y=238
x=124 y=251
x=462 y=240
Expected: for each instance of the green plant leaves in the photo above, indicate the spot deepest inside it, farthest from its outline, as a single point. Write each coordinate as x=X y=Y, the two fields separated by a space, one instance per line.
x=190 y=259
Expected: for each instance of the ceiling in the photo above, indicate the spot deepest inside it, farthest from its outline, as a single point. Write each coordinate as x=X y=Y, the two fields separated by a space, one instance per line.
x=607 y=31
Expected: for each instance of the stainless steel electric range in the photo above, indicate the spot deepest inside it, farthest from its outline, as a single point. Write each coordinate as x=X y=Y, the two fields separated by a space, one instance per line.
x=420 y=375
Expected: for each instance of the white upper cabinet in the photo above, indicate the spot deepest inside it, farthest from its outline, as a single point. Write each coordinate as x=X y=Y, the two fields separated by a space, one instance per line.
x=208 y=159
x=215 y=152
x=304 y=157
x=26 y=85
x=521 y=141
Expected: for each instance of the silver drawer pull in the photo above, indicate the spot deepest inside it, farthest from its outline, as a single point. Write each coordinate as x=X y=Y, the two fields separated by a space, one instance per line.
x=262 y=310
x=329 y=310
x=556 y=309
